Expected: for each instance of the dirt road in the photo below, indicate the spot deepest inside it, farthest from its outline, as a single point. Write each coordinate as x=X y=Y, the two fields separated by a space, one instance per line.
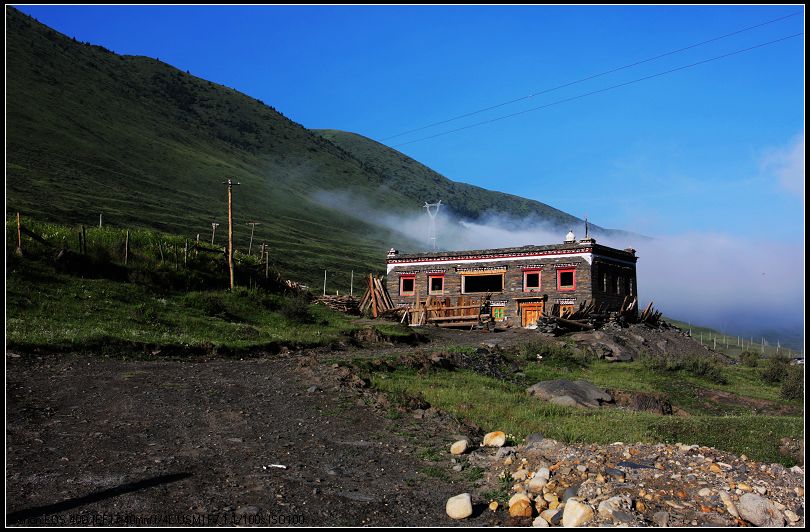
x=103 y=441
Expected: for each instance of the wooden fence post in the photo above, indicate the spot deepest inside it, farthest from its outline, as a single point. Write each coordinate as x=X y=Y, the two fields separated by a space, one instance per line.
x=185 y=255
x=126 y=248
x=84 y=241
x=18 y=251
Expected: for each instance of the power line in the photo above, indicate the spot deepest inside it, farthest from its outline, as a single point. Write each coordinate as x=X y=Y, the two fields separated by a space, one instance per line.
x=591 y=93
x=588 y=78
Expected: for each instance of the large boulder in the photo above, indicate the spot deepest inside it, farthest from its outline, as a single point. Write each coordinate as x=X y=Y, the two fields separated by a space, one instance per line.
x=570 y=393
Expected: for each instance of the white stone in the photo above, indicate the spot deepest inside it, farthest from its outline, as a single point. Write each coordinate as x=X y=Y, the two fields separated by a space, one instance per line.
x=576 y=513
x=459 y=507
x=494 y=439
x=540 y=522
x=608 y=506
x=458 y=447
x=536 y=484
x=705 y=492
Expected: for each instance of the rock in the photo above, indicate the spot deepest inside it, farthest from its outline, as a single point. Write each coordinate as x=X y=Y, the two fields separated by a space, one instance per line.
x=608 y=506
x=313 y=389
x=520 y=474
x=614 y=473
x=732 y=509
x=570 y=492
x=493 y=506
x=561 y=391
x=539 y=521
x=661 y=519
x=459 y=447
x=576 y=513
x=552 y=517
x=544 y=472
x=759 y=511
x=536 y=484
x=520 y=506
x=503 y=452
x=458 y=467
x=459 y=507
x=792 y=516
x=705 y=492
x=622 y=517
x=494 y=439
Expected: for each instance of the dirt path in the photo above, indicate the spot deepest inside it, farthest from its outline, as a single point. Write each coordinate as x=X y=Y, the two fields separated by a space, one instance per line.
x=91 y=438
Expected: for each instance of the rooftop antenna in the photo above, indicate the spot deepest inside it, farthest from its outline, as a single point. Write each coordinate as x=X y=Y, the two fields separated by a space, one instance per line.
x=433 y=211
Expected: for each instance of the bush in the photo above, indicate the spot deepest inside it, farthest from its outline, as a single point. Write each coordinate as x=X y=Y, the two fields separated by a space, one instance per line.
x=210 y=304
x=793 y=384
x=709 y=369
x=775 y=370
x=749 y=359
x=697 y=365
x=296 y=309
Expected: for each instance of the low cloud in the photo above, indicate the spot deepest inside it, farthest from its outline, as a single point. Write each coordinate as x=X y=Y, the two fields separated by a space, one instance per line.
x=786 y=164
x=738 y=285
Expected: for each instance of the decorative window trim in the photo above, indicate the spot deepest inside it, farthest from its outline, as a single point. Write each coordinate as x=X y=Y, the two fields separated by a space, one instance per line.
x=539 y=286
x=477 y=274
x=430 y=278
x=571 y=288
x=402 y=278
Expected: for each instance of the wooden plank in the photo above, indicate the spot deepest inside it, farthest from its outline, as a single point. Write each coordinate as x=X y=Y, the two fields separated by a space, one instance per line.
x=457 y=318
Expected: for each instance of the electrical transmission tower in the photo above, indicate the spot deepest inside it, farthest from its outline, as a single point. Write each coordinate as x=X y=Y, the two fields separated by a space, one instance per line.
x=433 y=211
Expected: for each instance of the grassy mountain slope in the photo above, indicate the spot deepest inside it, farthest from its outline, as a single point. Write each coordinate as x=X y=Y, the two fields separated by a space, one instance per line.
x=420 y=183
x=90 y=131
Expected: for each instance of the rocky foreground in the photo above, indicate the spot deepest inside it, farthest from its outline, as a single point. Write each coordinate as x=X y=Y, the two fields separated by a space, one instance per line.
x=553 y=484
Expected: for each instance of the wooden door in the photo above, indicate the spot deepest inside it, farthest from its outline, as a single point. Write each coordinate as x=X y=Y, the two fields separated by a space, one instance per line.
x=530 y=313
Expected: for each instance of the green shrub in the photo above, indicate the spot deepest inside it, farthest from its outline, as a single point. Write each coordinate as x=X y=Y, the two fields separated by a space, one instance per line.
x=793 y=385
x=210 y=304
x=296 y=310
x=701 y=366
x=775 y=370
x=749 y=359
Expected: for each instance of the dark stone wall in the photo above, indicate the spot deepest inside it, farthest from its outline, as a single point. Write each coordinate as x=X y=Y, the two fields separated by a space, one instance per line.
x=513 y=282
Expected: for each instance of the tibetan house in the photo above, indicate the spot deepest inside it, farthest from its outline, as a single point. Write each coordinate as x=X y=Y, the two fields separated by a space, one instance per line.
x=520 y=282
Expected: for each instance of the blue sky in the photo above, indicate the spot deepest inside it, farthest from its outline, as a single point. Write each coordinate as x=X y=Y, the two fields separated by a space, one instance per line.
x=714 y=148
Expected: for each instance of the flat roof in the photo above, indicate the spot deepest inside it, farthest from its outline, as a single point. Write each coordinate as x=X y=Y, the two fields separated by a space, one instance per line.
x=498 y=253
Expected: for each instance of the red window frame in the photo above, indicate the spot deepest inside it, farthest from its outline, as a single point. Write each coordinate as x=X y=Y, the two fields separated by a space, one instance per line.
x=539 y=280
x=566 y=288
x=401 y=279
x=432 y=276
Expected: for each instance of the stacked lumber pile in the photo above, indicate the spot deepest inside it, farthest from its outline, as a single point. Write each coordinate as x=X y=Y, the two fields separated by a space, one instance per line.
x=650 y=316
x=345 y=304
x=376 y=301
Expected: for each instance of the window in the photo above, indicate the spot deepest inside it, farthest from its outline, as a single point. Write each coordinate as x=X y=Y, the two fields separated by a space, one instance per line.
x=436 y=284
x=498 y=313
x=604 y=282
x=566 y=279
x=407 y=285
x=531 y=281
x=618 y=284
x=472 y=284
x=630 y=290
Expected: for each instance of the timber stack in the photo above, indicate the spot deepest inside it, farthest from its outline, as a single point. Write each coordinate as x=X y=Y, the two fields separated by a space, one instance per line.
x=345 y=304
x=376 y=300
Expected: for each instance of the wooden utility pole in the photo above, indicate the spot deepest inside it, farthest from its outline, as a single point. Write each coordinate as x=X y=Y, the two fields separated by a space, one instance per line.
x=252 y=228
x=230 y=184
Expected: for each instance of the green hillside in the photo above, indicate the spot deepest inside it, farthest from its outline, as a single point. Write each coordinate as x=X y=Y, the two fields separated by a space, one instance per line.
x=147 y=145
x=417 y=181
